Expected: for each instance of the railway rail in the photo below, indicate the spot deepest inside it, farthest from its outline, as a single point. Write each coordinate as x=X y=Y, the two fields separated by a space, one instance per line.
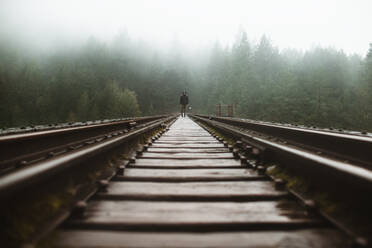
x=105 y=137
x=353 y=148
x=189 y=188
x=25 y=148
x=346 y=158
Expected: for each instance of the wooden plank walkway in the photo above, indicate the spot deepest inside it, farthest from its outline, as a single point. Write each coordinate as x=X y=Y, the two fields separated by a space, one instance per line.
x=187 y=190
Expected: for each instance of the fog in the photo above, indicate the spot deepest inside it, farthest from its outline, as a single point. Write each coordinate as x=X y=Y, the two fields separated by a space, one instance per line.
x=302 y=62
x=343 y=24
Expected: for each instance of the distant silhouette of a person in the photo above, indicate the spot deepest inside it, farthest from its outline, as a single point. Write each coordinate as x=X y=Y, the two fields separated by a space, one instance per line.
x=184 y=100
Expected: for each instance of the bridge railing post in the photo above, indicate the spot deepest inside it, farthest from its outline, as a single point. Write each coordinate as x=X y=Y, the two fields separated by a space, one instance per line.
x=219 y=110
x=230 y=110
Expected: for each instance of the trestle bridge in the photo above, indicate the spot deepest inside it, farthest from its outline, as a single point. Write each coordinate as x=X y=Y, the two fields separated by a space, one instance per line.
x=198 y=181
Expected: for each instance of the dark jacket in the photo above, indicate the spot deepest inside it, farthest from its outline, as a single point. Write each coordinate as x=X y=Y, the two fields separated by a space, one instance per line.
x=184 y=100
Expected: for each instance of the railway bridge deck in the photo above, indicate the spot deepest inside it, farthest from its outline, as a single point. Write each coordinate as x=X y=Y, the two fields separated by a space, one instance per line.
x=188 y=189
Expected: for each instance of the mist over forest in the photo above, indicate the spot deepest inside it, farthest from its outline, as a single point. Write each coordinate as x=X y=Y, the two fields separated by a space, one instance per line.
x=125 y=76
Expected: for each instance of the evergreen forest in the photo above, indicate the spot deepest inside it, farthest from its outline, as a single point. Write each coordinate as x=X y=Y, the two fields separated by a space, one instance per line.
x=124 y=77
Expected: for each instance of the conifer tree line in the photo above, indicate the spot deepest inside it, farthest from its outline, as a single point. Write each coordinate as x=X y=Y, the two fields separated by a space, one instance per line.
x=124 y=77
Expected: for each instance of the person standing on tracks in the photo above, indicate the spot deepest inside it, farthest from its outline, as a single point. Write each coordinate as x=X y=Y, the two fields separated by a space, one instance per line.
x=184 y=100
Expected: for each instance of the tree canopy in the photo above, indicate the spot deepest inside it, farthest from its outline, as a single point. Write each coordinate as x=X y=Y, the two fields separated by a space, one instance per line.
x=101 y=80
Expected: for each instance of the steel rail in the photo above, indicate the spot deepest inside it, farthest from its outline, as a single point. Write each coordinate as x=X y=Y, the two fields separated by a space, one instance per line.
x=25 y=147
x=347 y=147
x=54 y=131
x=300 y=159
x=23 y=178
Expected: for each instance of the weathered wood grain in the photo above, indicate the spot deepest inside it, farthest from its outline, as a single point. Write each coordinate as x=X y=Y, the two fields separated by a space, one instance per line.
x=186 y=138
x=200 y=191
x=186 y=142
x=181 y=175
x=187 y=150
x=188 y=155
x=310 y=238
x=188 y=145
x=194 y=163
x=196 y=213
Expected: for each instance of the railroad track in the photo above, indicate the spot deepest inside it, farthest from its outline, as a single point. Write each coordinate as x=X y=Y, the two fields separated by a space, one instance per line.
x=344 y=157
x=348 y=147
x=187 y=187
x=74 y=145
x=40 y=195
x=29 y=146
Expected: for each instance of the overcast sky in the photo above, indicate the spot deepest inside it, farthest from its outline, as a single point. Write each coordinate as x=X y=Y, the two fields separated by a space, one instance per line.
x=343 y=24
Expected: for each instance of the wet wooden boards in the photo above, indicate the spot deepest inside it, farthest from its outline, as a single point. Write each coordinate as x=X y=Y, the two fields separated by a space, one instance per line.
x=187 y=190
